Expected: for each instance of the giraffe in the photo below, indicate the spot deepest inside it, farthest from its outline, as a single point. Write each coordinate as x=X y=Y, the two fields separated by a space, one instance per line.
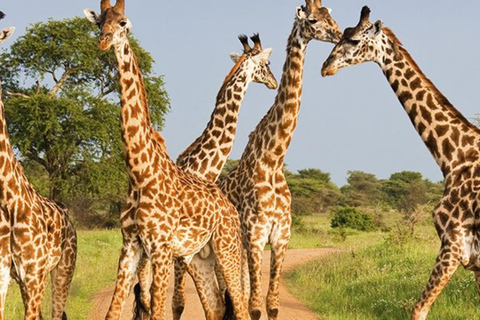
x=36 y=235
x=257 y=186
x=205 y=158
x=169 y=212
x=451 y=139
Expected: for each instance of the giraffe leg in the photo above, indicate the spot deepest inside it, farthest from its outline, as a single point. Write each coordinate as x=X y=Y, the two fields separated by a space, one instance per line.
x=202 y=270
x=255 y=245
x=142 y=290
x=477 y=278
x=35 y=283
x=4 y=281
x=178 y=299
x=280 y=238
x=127 y=265
x=62 y=276
x=444 y=268
x=161 y=263
x=228 y=254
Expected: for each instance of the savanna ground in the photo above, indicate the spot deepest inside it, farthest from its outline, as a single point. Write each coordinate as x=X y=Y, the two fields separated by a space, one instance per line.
x=375 y=275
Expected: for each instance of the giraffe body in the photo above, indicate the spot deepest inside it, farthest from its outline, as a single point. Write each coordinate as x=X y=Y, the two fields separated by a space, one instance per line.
x=205 y=158
x=257 y=186
x=451 y=139
x=169 y=213
x=36 y=235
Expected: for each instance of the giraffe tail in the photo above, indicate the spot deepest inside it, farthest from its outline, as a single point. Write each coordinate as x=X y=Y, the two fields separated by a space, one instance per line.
x=140 y=312
x=64 y=316
x=229 y=311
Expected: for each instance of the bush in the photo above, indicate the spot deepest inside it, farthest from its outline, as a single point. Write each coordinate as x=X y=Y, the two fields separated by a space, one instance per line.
x=349 y=217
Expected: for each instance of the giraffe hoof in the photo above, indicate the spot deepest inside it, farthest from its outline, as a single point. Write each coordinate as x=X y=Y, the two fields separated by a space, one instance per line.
x=256 y=314
x=273 y=313
x=178 y=311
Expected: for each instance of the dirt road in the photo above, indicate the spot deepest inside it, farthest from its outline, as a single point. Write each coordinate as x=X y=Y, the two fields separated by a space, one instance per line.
x=290 y=308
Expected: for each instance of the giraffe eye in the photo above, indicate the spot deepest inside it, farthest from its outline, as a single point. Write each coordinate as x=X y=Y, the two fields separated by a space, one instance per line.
x=123 y=23
x=353 y=42
x=312 y=21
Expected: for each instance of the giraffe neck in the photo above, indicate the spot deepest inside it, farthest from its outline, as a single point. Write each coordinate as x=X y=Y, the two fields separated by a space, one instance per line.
x=207 y=155
x=271 y=138
x=448 y=135
x=11 y=172
x=136 y=127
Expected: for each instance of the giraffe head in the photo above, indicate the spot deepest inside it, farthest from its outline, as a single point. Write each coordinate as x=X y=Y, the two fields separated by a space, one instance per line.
x=113 y=23
x=362 y=43
x=7 y=32
x=316 y=22
x=256 y=59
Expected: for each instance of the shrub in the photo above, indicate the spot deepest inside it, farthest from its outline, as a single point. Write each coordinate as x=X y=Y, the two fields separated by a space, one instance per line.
x=349 y=217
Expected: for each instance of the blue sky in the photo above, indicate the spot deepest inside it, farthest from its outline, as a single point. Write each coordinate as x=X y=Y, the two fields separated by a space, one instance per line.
x=351 y=121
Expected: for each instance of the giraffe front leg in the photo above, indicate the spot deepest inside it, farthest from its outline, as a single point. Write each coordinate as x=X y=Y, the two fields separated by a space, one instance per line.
x=279 y=239
x=127 y=265
x=445 y=266
x=178 y=299
x=161 y=263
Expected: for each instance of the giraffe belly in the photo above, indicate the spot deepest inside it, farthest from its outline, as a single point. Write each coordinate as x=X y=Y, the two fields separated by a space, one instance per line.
x=188 y=243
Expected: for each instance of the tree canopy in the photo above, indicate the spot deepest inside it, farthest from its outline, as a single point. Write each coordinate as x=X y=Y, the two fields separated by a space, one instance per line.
x=63 y=111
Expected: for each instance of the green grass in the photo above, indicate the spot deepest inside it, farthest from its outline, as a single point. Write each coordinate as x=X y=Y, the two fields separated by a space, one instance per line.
x=315 y=232
x=380 y=276
x=96 y=269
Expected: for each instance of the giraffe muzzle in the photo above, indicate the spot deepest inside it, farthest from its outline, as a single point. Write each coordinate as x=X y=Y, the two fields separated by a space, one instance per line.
x=329 y=71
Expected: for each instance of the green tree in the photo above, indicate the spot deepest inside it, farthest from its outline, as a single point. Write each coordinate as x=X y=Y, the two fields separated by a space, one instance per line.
x=312 y=191
x=405 y=190
x=62 y=106
x=363 y=189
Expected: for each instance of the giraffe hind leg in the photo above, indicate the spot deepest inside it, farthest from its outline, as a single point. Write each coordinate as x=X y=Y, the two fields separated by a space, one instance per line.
x=4 y=281
x=278 y=251
x=62 y=276
x=178 y=299
x=445 y=266
x=202 y=271
x=141 y=308
x=228 y=255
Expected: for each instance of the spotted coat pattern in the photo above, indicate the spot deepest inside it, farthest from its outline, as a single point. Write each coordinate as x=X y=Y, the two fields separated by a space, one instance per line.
x=169 y=213
x=36 y=235
x=451 y=139
x=205 y=158
x=257 y=186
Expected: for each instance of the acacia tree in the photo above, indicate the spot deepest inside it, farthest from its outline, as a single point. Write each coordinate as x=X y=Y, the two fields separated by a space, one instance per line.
x=363 y=189
x=62 y=106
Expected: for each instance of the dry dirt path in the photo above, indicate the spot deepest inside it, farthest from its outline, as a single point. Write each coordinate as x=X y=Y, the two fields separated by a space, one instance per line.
x=290 y=307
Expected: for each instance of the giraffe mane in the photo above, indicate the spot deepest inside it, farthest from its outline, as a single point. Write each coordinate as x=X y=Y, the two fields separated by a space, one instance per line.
x=235 y=68
x=428 y=83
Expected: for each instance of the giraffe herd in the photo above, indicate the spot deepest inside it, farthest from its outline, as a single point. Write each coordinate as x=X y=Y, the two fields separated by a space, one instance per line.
x=180 y=214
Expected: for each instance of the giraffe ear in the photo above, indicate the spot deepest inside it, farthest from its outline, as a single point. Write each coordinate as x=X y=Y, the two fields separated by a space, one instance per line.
x=234 y=56
x=301 y=15
x=264 y=55
x=377 y=27
x=6 y=33
x=91 y=15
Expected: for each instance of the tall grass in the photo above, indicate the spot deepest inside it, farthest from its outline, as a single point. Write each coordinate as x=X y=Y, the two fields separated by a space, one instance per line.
x=98 y=253
x=382 y=281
